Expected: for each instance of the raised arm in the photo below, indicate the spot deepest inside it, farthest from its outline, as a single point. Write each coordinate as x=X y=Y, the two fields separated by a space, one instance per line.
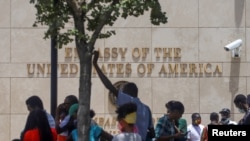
x=106 y=82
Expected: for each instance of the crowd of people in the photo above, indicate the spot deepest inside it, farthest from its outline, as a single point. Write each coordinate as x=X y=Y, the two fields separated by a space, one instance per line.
x=133 y=116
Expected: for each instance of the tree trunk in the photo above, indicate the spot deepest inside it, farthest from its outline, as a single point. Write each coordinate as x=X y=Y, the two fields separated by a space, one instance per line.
x=83 y=116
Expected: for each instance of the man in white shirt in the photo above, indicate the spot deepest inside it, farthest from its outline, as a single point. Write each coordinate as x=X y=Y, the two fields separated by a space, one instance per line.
x=195 y=129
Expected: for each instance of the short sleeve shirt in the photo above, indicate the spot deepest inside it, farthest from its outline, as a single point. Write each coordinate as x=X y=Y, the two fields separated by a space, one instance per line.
x=164 y=127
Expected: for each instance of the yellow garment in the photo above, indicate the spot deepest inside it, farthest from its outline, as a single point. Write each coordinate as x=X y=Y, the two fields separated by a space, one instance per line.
x=130 y=118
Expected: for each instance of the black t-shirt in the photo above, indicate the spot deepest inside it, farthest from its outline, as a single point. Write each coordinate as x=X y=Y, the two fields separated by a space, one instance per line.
x=246 y=119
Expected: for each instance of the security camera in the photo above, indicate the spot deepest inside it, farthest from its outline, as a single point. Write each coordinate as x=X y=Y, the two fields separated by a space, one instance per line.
x=235 y=47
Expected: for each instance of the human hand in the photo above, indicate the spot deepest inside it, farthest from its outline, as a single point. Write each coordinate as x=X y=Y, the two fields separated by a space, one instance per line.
x=181 y=134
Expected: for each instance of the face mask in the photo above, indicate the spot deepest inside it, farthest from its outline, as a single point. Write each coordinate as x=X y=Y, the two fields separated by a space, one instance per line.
x=225 y=121
x=241 y=110
x=120 y=127
x=197 y=121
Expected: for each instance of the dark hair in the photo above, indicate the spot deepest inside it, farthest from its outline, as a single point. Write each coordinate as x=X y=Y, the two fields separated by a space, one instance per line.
x=131 y=89
x=175 y=106
x=125 y=109
x=61 y=109
x=240 y=98
x=38 y=119
x=34 y=102
x=248 y=99
x=214 y=116
x=195 y=115
x=72 y=99
x=91 y=113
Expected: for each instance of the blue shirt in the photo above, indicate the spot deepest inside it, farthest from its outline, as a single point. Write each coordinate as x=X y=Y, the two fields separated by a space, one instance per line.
x=51 y=120
x=94 y=133
x=164 y=127
x=143 y=114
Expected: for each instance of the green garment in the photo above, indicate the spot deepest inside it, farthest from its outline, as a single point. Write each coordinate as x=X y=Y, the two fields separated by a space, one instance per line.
x=182 y=125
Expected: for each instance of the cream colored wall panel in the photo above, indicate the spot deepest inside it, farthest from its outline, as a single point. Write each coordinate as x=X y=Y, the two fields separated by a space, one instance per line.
x=28 y=45
x=180 y=13
x=141 y=21
x=223 y=13
x=205 y=118
x=235 y=69
x=247 y=13
x=248 y=84
x=97 y=96
x=22 y=13
x=67 y=87
x=5 y=127
x=5 y=70
x=5 y=95
x=129 y=39
x=70 y=86
x=108 y=122
x=110 y=107
x=4 y=13
x=221 y=92
x=21 y=70
x=184 y=38
x=185 y=90
x=23 y=88
x=17 y=125
x=213 y=40
x=4 y=45
x=247 y=41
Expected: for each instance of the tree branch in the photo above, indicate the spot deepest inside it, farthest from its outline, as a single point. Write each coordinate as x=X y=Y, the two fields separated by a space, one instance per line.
x=103 y=20
x=76 y=6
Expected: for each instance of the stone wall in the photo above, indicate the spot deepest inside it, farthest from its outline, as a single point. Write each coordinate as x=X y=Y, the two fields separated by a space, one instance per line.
x=196 y=32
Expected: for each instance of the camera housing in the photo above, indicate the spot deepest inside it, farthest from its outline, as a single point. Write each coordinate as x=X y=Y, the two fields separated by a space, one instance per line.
x=235 y=47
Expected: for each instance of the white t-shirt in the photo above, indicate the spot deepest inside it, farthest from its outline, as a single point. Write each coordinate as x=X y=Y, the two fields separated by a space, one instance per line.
x=127 y=137
x=193 y=134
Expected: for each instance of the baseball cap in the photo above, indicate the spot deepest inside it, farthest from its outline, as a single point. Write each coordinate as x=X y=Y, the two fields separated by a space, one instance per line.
x=225 y=110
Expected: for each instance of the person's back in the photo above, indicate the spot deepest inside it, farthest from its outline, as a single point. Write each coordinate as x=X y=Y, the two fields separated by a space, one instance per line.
x=37 y=128
x=143 y=119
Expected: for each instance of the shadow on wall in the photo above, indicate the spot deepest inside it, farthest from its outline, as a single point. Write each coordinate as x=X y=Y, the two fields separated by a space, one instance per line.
x=234 y=80
x=239 y=6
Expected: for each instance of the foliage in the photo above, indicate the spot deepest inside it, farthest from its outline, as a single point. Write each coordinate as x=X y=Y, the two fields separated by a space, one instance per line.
x=56 y=13
x=89 y=18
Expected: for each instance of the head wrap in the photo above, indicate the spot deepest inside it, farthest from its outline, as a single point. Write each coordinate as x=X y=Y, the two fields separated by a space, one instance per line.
x=130 y=118
x=73 y=109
